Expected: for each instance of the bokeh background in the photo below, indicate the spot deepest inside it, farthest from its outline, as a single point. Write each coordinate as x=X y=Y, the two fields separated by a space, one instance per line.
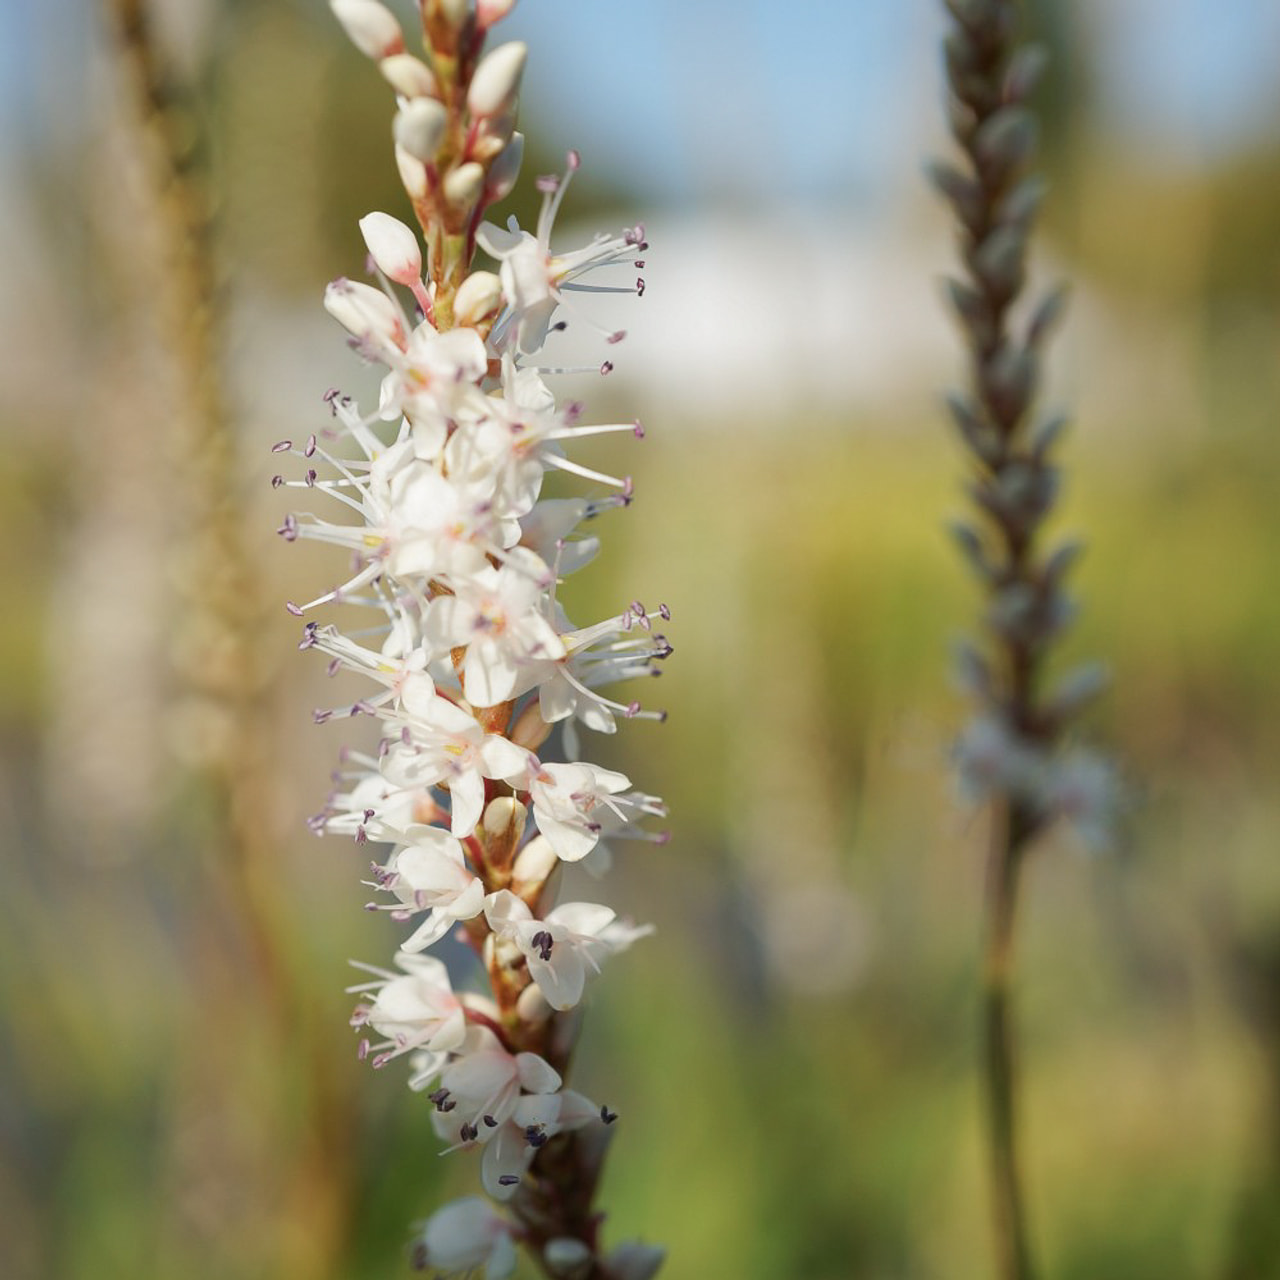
x=794 y=1053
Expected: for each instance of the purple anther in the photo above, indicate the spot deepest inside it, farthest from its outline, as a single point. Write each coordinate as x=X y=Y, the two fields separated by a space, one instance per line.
x=310 y=477
x=608 y=1116
x=335 y=665
x=606 y=368
x=616 y=336
x=639 y=286
x=293 y=608
x=633 y=709
x=282 y=446
x=311 y=447
x=573 y=160
x=664 y=612
x=277 y=481
x=638 y=430
x=490 y=1122
x=634 y=235
x=547 y=183
x=507 y=1179
x=468 y=1132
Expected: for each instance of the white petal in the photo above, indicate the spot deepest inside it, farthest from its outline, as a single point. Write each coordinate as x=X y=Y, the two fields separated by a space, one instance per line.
x=536 y=1074
x=587 y=918
x=467 y=791
x=562 y=978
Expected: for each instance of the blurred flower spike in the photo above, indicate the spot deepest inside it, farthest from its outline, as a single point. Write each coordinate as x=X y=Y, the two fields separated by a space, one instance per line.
x=468 y=658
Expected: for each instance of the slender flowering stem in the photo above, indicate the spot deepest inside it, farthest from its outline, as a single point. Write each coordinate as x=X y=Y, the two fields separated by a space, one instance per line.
x=470 y=660
x=1014 y=753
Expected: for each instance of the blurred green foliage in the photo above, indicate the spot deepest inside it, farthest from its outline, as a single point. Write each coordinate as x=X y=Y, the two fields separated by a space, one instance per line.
x=167 y=1111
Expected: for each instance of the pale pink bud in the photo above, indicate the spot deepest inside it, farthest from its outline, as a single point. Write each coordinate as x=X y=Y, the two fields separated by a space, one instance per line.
x=490 y=11
x=393 y=247
x=483 y=295
x=531 y=1005
x=497 y=80
x=567 y=1257
x=419 y=128
x=412 y=173
x=462 y=186
x=410 y=77
x=363 y=311
x=371 y=27
x=504 y=171
x=533 y=864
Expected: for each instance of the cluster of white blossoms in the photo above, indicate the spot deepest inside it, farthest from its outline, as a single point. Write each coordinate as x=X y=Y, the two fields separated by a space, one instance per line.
x=469 y=659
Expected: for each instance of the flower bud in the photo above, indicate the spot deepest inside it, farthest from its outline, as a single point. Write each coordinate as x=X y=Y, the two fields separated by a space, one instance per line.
x=505 y=169
x=478 y=296
x=533 y=864
x=501 y=829
x=497 y=80
x=490 y=11
x=410 y=77
x=532 y=1006
x=419 y=128
x=633 y=1260
x=393 y=247
x=363 y=311
x=567 y=1257
x=462 y=186
x=413 y=173
x=371 y=27
x=530 y=729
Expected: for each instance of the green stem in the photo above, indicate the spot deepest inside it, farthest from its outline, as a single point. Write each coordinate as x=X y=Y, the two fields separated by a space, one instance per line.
x=1013 y=1254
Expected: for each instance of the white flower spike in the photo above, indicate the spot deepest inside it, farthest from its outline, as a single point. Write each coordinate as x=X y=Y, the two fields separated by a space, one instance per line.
x=469 y=663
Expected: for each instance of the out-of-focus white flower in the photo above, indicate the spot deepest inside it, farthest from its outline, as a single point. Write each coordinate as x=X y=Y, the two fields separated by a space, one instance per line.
x=535 y=1119
x=465 y=1236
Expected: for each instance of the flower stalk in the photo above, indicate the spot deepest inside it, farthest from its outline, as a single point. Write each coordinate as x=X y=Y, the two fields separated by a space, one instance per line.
x=473 y=671
x=1016 y=753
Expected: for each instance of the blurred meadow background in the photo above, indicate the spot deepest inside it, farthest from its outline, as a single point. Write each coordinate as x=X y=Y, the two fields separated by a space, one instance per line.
x=794 y=1053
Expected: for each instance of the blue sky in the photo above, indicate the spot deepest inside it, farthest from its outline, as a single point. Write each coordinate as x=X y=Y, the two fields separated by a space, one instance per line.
x=753 y=99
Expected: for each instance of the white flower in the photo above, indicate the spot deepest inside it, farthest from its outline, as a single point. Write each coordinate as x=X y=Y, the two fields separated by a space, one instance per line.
x=569 y=801
x=464 y=1236
x=496 y=615
x=562 y=947
x=482 y=1087
x=429 y=873
x=535 y=1119
x=435 y=379
x=442 y=743
x=533 y=279
x=416 y=1010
